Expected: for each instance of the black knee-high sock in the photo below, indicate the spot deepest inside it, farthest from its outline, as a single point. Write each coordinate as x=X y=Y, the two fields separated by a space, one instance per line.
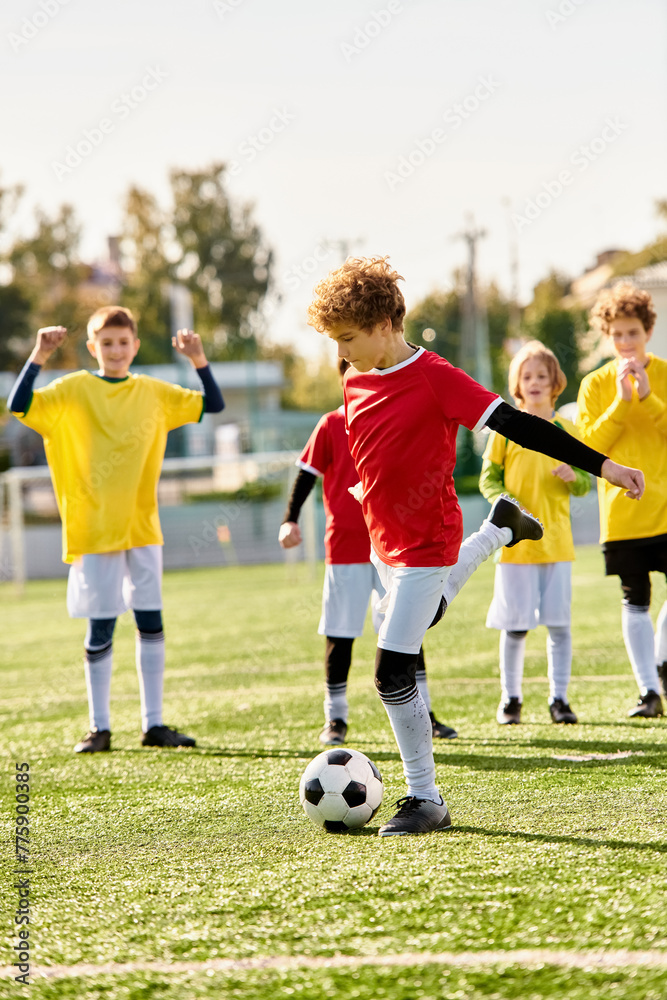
x=337 y=660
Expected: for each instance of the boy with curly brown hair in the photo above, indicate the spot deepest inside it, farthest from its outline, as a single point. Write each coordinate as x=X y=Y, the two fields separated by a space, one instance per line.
x=622 y=410
x=403 y=408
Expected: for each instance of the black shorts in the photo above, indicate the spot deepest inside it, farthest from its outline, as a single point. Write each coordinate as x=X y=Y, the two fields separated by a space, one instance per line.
x=637 y=558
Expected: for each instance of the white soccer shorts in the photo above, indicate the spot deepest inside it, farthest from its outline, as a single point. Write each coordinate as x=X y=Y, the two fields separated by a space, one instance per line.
x=413 y=595
x=528 y=595
x=105 y=585
x=348 y=587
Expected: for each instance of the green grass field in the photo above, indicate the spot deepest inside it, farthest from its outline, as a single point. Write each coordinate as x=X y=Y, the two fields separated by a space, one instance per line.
x=148 y=864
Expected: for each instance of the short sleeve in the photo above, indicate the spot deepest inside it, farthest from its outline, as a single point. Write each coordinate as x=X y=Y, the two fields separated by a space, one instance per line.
x=180 y=406
x=459 y=396
x=317 y=455
x=47 y=407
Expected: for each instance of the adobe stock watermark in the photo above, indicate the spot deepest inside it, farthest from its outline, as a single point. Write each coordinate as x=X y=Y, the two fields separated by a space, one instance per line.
x=31 y=26
x=253 y=145
x=453 y=117
x=564 y=10
x=364 y=34
x=121 y=109
x=581 y=158
x=224 y=7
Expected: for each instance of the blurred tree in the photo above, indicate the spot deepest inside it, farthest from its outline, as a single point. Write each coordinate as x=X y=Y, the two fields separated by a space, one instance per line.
x=16 y=331
x=48 y=273
x=210 y=245
x=546 y=319
x=222 y=258
x=147 y=273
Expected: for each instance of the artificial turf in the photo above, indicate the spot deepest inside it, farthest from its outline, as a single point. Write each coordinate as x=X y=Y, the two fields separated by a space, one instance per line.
x=147 y=855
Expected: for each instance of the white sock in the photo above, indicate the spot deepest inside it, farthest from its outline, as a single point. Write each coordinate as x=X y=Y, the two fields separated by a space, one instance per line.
x=559 y=659
x=335 y=702
x=661 y=636
x=639 y=641
x=149 y=651
x=98 y=665
x=512 y=651
x=412 y=728
x=422 y=684
x=474 y=550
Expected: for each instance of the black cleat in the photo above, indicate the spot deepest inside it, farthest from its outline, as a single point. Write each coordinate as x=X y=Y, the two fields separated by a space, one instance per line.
x=508 y=513
x=334 y=733
x=561 y=712
x=94 y=741
x=416 y=816
x=440 y=731
x=509 y=713
x=165 y=736
x=649 y=706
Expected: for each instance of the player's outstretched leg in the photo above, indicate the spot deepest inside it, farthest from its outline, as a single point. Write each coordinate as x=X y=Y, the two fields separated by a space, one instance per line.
x=507 y=523
x=150 y=670
x=337 y=660
x=439 y=731
x=98 y=665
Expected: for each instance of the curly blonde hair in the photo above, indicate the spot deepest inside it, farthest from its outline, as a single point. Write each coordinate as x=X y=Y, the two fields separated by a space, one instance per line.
x=536 y=349
x=362 y=292
x=620 y=302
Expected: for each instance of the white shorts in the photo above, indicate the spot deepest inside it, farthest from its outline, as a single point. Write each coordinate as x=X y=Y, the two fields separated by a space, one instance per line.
x=106 y=585
x=412 y=598
x=348 y=587
x=525 y=596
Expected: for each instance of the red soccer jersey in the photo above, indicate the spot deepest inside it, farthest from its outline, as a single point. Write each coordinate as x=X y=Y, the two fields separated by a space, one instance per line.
x=402 y=424
x=327 y=454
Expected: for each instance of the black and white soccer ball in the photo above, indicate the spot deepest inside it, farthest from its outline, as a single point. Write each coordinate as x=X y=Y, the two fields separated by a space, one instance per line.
x=341 y=790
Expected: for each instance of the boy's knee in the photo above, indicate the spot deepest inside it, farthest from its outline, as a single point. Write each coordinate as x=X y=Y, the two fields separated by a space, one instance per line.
x=394 y=671
x=99 y=633
x=636 y=591
x=148 y=621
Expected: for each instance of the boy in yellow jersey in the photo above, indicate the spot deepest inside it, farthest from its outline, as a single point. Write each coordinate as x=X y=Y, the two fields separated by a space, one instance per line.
x=622 y=410
x=104 y=436
x=533 y=582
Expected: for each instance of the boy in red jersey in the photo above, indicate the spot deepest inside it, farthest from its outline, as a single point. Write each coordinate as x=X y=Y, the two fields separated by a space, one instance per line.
x=403 y=407
x=104 y=435
x=351 y=580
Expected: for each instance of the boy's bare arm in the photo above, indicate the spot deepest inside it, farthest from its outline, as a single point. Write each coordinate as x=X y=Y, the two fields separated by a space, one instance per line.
x=49 y=339
x=189 y=343
x=621 y=475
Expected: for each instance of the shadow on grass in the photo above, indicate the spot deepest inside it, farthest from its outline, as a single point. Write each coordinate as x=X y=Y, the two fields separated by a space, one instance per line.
x=554 y=838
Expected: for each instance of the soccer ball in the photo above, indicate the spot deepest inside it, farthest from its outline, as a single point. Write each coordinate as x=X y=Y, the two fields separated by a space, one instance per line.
x=341 y=790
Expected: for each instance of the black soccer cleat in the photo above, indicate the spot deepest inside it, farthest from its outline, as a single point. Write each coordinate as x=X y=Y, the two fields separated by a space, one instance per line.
x=334 y=733
x=509 y=713
x=417 y=816
x=165 y=736
x=94 y=741
x=508 y=513
x=439 y=731
x=561 y=712
x=649 y=706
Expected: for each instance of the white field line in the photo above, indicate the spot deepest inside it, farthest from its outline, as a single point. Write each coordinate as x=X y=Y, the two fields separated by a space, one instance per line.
x=528 y=957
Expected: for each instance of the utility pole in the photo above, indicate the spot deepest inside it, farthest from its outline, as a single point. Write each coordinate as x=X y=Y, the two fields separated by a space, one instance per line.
x=474 y=355
x=515 y=314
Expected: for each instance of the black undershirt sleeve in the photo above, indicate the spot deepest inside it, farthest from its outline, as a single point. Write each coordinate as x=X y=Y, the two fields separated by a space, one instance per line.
x=213 y=401
x=541 y=435
x=303 y=484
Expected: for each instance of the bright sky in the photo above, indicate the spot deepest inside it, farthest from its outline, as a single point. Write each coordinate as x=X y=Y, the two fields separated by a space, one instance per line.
x=384 y=124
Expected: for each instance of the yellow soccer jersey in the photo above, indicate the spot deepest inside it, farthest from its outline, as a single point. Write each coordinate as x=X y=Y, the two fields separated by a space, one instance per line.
x=632 y=433
x=104 y=443
x=528 y=477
